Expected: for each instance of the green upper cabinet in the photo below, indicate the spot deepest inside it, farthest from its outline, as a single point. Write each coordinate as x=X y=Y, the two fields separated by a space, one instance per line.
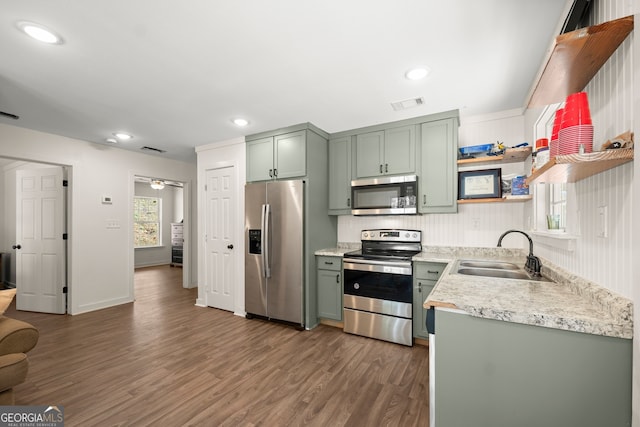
x=369 y=154
x=438 y=183
x=277 y=157
x=400 y=150
x=290 y=154
x=386 y=152
x=260 y=159
x=340 y=174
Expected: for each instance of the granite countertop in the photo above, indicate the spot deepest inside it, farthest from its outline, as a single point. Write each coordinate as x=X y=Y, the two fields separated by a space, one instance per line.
x=568 y=302
x=340 y=250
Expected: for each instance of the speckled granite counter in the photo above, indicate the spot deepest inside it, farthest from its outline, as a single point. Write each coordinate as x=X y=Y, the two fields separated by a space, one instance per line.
x=340 y=250
x=569 y=302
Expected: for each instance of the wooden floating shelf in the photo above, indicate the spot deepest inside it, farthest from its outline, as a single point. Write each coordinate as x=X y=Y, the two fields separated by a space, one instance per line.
x=509 y=199
x=574 y=167
x=576 y=58
x=511 y=155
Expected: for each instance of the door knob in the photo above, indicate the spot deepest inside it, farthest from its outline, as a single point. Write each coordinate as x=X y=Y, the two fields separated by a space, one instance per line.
x=229 y=246
x=16 y=247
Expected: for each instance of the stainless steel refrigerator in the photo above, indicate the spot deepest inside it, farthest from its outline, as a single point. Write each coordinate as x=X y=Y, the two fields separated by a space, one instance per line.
x=274 y=259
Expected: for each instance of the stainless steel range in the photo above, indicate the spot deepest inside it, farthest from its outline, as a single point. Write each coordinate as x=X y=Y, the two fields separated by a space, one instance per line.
x=378 y=292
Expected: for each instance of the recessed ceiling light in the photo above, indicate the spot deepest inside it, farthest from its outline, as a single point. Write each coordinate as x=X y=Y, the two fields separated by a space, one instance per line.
x=122 y=136
x=417 y=73
x=40 y=32
x=112 y=140
x=240 y=122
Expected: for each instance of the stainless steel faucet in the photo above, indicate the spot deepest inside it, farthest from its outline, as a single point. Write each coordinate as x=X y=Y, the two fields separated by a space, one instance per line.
x=533 y=263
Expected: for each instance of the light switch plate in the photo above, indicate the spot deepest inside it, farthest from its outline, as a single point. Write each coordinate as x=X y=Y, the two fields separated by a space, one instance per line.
x=113 y=224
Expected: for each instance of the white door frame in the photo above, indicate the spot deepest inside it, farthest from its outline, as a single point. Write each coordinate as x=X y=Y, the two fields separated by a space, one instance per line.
x=239 y=248
x=68 y=173
x=186 y=252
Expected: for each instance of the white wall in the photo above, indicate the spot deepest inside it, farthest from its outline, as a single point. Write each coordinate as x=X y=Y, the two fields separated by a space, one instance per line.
x=214 y=156
x=172 y=211
x=101 y=259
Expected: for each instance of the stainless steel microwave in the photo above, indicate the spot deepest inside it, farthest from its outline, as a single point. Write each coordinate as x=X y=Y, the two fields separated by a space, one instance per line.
x=389 y=195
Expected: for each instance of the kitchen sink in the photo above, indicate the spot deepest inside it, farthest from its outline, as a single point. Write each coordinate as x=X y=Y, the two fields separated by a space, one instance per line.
x=497 y=269
x=500 y=265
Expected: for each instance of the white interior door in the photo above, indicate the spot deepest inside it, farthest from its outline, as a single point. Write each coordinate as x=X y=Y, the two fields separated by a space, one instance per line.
x=39 y=247
x=220 y=233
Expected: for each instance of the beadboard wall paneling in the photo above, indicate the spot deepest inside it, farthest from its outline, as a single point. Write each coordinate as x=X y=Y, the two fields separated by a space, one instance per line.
x=474 y=225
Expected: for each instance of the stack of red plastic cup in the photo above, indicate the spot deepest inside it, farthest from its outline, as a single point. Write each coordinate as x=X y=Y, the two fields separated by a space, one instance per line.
x=554 y=147
x=576 y=129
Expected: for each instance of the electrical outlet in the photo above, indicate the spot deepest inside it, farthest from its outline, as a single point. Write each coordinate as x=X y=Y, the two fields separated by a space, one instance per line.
x=602 y=221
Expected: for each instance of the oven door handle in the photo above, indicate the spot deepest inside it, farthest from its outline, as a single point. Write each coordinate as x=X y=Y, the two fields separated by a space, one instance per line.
x=393 y=267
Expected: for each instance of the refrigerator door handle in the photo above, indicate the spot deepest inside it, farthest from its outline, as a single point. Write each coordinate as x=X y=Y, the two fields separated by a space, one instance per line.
x=266 y=240
x=263 y=240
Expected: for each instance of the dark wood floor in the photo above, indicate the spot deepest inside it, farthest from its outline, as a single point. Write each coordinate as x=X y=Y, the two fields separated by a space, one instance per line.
x=163 y=361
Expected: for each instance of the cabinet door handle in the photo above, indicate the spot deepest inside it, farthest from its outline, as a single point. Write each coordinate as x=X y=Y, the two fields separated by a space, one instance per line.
x=432 y=272
x=275 y=172
x=380 y=168
x=271 y=173
x=349 y=202
x=337 y=278
x=419 y=286
x=424 y=199
x=328 y=263
x=386 y=167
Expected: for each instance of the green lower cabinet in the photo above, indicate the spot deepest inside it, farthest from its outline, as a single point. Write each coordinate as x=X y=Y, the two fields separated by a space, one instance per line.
x=421 y=288
x=425 y=276
x=329 y=287
x=492 y=373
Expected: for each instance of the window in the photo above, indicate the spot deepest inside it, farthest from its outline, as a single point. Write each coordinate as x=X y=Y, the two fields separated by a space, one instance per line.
x=557 y=206
x=147 y=220
x=554 y=195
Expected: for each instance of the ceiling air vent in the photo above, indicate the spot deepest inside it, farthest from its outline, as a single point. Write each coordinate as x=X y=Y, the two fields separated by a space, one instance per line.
x=9 y=115
x=155 y=150
x=407 y=103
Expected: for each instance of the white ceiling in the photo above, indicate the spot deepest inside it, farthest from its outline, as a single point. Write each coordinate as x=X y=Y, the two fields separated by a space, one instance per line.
x=174 y=73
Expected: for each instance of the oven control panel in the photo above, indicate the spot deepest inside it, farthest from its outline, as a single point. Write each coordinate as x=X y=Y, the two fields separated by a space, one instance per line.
x=392 y=235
